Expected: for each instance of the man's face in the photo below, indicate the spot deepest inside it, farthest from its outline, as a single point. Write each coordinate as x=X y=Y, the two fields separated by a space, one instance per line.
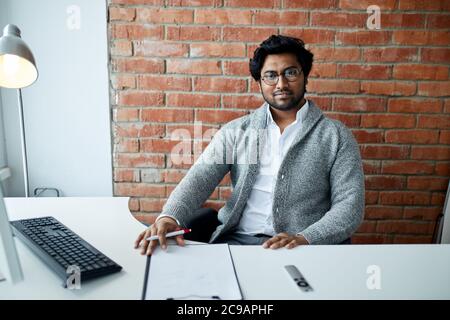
x=283 y=95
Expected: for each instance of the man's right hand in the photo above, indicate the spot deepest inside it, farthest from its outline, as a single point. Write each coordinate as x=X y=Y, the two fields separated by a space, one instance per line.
x=159 y=228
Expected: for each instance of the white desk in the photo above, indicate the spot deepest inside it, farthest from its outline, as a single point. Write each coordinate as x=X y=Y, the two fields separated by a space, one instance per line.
x=340 y=272
x=106 y=223
x=334 y=272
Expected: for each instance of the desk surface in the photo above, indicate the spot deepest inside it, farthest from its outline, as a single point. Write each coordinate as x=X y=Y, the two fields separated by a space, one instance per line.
x=106 y=223
x=334 y=272
x=342 y=272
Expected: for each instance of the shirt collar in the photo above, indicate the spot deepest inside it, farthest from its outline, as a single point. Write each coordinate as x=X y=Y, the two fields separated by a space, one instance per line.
x=299 y=118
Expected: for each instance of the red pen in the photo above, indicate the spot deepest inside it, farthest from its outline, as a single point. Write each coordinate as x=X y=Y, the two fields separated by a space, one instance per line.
x=170 y=234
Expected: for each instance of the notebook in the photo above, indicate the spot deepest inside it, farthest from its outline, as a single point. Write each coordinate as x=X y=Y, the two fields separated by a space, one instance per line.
x=195 y=271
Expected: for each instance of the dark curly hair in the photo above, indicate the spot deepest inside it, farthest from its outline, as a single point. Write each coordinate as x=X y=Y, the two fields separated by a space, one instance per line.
x=276 y=44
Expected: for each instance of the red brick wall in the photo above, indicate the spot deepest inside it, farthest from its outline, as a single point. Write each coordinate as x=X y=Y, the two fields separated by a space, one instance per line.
x=175 y=62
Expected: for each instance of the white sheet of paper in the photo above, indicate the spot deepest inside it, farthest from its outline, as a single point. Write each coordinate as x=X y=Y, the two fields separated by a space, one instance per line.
x=202 y=271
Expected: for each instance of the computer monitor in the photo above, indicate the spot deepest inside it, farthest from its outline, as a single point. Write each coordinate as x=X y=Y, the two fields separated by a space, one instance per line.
x=444 y=231
x=9 y=260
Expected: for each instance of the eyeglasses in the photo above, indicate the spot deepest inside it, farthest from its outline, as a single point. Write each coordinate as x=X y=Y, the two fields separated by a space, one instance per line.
x=290 y=74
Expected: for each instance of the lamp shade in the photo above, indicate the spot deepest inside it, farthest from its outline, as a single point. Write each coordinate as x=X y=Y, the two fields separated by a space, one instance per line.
x=17 y=65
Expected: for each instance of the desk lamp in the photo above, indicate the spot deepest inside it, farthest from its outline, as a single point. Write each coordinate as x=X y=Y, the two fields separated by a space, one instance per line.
x=17 y=70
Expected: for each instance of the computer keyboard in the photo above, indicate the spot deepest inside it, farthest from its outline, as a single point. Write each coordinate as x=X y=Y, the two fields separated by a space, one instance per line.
x=61 y=248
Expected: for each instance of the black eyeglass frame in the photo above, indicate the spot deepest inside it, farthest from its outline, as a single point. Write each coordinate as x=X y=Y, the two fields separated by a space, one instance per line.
x=277 y=78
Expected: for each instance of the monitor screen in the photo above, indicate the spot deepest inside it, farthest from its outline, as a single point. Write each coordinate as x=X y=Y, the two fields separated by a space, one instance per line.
x=445 y=224
x=10 y=268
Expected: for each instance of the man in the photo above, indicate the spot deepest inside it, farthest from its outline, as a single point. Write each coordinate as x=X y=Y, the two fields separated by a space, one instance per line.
x=306 y=185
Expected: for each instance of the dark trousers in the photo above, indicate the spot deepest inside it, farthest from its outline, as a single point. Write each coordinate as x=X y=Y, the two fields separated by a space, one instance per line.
x=203 y=225
x=206 y=222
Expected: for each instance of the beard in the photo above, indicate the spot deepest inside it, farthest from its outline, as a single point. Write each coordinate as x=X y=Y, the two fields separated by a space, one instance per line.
x=286 y=104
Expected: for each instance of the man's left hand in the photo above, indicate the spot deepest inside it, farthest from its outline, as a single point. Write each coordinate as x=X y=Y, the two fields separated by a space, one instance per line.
x=285 y=240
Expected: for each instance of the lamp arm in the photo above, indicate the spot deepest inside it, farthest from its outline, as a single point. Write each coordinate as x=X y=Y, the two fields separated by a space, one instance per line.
x=23 y=143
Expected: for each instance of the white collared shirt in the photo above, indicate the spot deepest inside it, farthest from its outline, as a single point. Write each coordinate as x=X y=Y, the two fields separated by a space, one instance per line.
x=257 y=216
